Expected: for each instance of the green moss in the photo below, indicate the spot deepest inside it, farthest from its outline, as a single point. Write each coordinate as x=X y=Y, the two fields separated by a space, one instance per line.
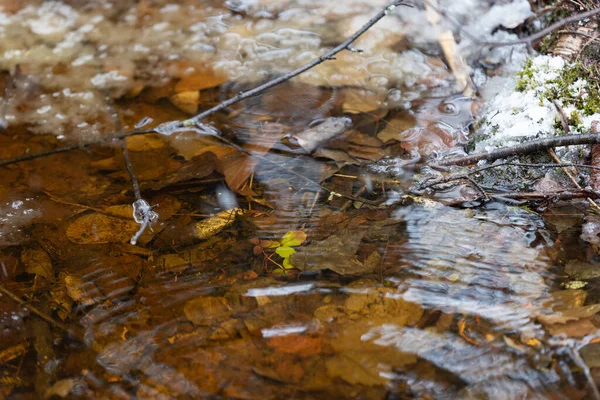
x=561 y=89
x=525 y=80
x=575 y=119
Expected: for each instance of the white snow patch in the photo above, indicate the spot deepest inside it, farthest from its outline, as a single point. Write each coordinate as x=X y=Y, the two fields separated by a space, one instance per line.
x=512 y=116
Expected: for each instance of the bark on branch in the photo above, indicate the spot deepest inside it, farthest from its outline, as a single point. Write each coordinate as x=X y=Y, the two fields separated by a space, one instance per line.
x=523 y=148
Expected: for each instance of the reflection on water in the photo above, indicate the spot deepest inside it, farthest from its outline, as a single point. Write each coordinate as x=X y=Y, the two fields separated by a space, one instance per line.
x=305 y=292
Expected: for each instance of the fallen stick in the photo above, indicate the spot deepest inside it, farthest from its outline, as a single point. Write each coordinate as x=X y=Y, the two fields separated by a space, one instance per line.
x=429 y=183
x=523 y=148
x=194 y=122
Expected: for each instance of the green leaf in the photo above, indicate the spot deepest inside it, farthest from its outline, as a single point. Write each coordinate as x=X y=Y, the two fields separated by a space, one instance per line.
x=285 y=252
x=287 y=264
x=293 y=238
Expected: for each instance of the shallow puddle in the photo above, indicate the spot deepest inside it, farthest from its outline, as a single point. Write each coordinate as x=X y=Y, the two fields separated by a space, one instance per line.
x=297 y=267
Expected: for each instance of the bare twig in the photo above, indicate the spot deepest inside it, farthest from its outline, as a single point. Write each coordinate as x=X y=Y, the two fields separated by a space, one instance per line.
x=427 y=184
x=286 y=77
x=194 y=122
x=114 y=138
x=33 y=309
x=563 y=195
x=529 y=40
x=523 y=148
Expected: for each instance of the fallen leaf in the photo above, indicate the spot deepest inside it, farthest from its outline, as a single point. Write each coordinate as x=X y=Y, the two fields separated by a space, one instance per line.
x=396 y=126
x=145 y=142
x=569 y=314
x=582 y=270
x=97 y=228
x=358 y=101
x=293 y=238
x=573 y=329
x=196 y=168
x=38 y=262
x=186 y=101
x=61 y=388
x=311 y=138
x=199 y=80
x=207 y=310
x=77 y=291
x=209 y=227
x=336 y=253
x=301 y=345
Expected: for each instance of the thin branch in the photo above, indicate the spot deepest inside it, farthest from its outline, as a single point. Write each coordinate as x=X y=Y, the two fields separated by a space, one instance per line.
x=529 y=40
x=564 y=195
x=194 y=122
x=33 y=309
x=80 y=146
x=523 y=148
x=286 y=77
x=427 y=184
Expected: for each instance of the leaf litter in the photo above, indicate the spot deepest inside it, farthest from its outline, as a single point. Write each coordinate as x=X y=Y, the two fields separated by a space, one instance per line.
x=387 y=298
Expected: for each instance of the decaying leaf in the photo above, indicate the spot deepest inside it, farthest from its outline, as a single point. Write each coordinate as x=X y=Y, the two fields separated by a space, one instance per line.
x=207 y=310
x=357 y=101
x=396 y=126
x=336 y=253
x=13 y=352
x=186 y=101
x=145 y=142
x=582 y=270
x=311 y=138
x=38 y=262
x=196 y=168
x=570 y=314
x=199 y=80
x=209 y=227
x=97 y=228
x=77 y=291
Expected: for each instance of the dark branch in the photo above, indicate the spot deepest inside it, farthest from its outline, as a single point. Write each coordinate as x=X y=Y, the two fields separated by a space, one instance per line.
x=523 y=148
x=467 y=175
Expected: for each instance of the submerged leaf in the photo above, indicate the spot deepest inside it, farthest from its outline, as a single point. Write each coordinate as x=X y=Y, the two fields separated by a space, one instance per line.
x=96 y=228
x=285 y=252
x=293 y=238
x=38 y=262
x=215 y=224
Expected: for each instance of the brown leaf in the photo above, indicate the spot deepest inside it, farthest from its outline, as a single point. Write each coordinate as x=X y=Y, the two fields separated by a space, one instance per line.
x=186 y=101
x=206 y=310
x=573 y=329
x=570 y=314
x=38 y=262
x=200 y=80
x=96 y=228
x=336 y=253
x=301 y=345
x=209 y=227
x=196 y=168
x=145 y=142
x=237 y=169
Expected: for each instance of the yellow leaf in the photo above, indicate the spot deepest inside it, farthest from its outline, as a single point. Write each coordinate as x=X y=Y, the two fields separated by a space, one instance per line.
x=209 y=227
x=293 y=238
x=285 y=252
